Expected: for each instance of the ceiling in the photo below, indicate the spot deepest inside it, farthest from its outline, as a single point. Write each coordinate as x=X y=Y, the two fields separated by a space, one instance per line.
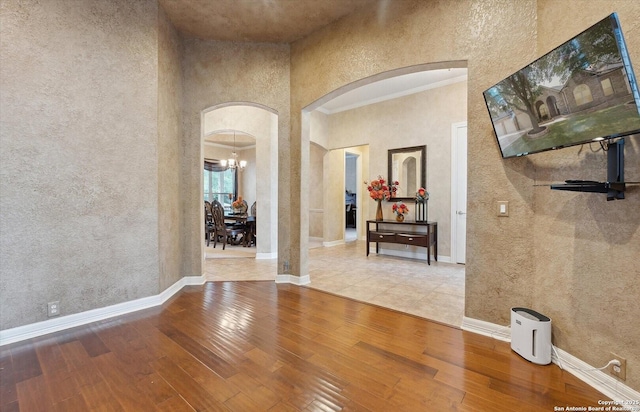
x=230 y=140
x=285 y=21
x=270 y=21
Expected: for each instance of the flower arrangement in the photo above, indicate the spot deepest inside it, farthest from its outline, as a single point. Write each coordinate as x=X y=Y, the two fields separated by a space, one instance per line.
x=237 y=204
x=380 y=190
x=422 y=195
x=399 y=208
x=421 y=205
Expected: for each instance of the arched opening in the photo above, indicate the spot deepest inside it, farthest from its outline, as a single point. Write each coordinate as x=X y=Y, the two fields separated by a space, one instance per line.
x=552 y=105
x=543 y=111
x=253 y=129
x=336 y=136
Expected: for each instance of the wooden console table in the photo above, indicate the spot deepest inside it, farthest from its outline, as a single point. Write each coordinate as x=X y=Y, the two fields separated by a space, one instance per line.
x=404 y=236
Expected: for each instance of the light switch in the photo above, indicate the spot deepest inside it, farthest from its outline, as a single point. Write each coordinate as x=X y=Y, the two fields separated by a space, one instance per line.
x=503 y=208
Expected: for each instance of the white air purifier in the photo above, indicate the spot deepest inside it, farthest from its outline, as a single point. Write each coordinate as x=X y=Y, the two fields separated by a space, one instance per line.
x=531 y=335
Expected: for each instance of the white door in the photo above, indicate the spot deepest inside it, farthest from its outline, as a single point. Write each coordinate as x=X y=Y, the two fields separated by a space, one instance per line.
x=459 y=192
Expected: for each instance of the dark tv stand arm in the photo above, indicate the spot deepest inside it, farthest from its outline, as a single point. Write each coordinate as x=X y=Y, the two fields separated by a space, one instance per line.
x=615 y=185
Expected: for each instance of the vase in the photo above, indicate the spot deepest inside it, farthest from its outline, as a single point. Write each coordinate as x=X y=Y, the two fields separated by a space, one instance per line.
x=400 y=218
x=421 y=210
x=379 y=211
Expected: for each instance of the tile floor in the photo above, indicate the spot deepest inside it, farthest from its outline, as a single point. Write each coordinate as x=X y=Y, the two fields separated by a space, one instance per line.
x=434 y=292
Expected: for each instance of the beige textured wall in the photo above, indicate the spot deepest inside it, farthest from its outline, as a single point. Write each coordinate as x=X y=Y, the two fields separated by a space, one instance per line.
x=248 y=176
x=222 y=72
x=587 y=249
x=169 y=152
x=316 y=208
x=333 y=196
x=79 y=155
x=505 y=262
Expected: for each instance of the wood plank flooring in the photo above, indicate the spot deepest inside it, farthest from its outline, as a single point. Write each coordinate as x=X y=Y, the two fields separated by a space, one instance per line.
x=258 y=346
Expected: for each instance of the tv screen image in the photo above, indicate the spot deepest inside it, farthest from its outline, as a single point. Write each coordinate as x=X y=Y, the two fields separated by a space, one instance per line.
x=582 y=91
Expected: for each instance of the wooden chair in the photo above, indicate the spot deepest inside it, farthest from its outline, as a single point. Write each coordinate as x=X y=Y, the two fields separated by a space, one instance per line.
x=209 y=228
x=222 y=231
x=251 y=228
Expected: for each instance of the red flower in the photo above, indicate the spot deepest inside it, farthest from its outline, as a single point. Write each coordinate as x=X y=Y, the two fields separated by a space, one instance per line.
x=400 y=208
x=378 y=190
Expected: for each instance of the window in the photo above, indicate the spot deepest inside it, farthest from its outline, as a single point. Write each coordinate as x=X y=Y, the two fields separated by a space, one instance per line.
x=582 y=94
x=219 y=183
x=606 y=87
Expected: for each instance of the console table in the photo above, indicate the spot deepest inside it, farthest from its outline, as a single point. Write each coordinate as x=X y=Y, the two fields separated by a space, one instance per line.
x=403 y=235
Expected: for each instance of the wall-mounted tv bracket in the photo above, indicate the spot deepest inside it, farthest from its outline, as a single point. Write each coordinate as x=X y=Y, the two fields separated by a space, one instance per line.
x=615 y=185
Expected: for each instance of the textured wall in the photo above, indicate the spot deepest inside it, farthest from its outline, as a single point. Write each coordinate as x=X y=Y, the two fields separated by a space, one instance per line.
x=586 y=248
x=222 y=72
x=169 y=152
x=316 y=208
x=366 y=44
x=78 y=158
x=333 y=196
x=506 y=261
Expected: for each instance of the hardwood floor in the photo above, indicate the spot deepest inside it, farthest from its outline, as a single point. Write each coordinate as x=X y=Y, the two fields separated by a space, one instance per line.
x=258 y=346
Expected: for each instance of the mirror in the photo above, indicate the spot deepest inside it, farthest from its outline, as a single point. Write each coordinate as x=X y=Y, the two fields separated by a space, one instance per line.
x=409 y=167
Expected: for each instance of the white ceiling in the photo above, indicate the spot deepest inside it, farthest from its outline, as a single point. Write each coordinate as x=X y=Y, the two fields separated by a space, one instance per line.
x=228 y=140
x=393 y=88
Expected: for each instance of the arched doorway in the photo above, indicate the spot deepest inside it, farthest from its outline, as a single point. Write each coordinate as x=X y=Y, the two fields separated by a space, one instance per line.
x=552 y=105
x=261 y=123
x=375 y=159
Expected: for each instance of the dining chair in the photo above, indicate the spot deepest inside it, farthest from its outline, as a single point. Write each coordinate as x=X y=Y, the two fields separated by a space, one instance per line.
x=209 y=227
x=222 y=231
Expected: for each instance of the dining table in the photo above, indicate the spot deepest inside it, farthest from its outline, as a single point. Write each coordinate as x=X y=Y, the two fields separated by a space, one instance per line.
x=249 y=221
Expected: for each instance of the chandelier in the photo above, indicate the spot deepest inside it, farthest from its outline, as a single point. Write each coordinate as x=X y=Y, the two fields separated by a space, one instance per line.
x=233 y=162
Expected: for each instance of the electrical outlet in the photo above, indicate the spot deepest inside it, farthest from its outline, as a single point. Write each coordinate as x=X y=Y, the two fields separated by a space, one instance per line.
x=53 y=308
x=619 y=371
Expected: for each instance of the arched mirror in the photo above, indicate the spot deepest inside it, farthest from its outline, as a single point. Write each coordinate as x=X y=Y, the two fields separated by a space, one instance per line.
x=408 y=166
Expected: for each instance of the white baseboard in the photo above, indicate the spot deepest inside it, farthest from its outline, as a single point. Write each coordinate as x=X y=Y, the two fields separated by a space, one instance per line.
x=489 y=329
x=33 y=330
x=266 y=255
x=444 y=259
x=333 y=243
x=294 y=280
x=597 y=379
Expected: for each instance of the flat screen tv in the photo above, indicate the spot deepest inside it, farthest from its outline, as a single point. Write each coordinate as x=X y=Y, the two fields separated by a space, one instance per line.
x=582 y=91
